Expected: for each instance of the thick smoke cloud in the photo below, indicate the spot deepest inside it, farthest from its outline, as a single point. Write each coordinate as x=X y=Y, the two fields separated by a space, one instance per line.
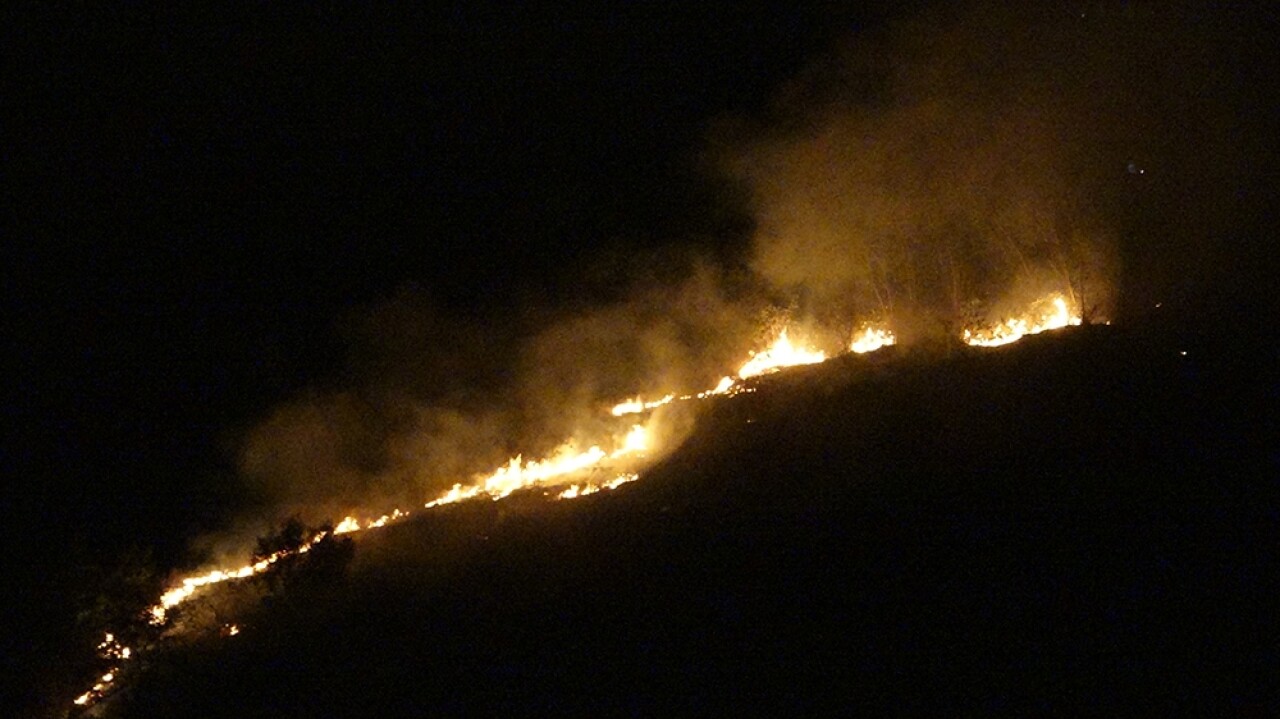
x=962 y=162
x=944 y=170
x=433 y=398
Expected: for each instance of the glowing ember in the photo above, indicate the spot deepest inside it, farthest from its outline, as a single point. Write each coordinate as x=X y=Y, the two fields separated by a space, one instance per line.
x=870 y=339
x=582 y=490
x=637 y=405
x=1048 y=313
x=515 y=475
x=179 y=594
x=351 y=524
x=723 y=387
x=382 y=521
x=637 y=440
x=109 y=648
x=779 y=355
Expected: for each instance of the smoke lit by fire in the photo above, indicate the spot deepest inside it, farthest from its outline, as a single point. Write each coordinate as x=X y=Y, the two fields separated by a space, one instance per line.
x=1048 y=313
x=626 y=453
x=911 y=195
x=782 y=353
x=870 y=339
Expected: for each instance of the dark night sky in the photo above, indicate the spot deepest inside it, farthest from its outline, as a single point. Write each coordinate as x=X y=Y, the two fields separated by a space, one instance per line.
x=197 y=194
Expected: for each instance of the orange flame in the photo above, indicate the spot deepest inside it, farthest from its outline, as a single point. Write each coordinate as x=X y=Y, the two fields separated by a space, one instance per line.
x=870 y=339
x=638 y=405
x=582 y=490
x=515 y=475
x=782 y=353
x=1047 y=313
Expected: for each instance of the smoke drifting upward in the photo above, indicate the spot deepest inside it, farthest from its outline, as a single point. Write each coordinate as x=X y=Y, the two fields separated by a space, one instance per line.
x=431 y=399
x=968 y=158
x=939 y=173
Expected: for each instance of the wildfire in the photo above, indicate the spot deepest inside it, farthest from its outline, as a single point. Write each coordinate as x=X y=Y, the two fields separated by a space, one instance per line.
x=782 y=353
x=1047 y=313
x=351 y=524
x=870 y=339
x=111 y=649
x=723 y=387
x=516 y=474
x=581 y=490
x=181 y=593
x=638 y=405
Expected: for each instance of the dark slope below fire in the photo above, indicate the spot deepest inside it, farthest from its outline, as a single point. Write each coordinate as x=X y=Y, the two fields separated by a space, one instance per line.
x=1084 y=519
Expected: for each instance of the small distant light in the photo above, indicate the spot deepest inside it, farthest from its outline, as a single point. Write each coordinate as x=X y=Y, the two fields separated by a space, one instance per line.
x=1183 y=353
x=1158 y=304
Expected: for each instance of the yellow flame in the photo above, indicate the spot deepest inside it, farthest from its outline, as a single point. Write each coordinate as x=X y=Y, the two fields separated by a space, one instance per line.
x=1047 y=313
x=722 y=387
x=582 y=490
x=518 y=474
x=870 y=339
x=351 y=524
x=179 y=594
x=637 y=440
x=512 y=476
x=636 y=405
x=782 y=353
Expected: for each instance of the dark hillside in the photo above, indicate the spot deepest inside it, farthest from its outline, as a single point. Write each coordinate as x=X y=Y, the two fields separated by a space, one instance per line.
x=1084 y=520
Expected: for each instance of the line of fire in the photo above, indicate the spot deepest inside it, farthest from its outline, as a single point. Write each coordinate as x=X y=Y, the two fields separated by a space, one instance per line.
x=571 y=471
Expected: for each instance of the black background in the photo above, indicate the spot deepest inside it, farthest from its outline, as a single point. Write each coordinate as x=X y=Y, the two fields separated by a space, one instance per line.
x=199 y=194
x=194 y=195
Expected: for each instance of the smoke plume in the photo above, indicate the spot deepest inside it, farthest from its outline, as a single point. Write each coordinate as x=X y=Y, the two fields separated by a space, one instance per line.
x=979 y=155
x=939 y=172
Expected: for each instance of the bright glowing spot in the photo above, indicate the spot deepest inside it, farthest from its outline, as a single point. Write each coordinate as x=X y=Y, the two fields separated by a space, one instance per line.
x=1049 y=313
x=385 y=519
x=582 y=490
x=637 y=440
x=870 y=339
x=621 y=479
x=348 y=524
x=638 y=405
x=782 y=353
x=181 y=593
x=722 y=387
x=518 y=474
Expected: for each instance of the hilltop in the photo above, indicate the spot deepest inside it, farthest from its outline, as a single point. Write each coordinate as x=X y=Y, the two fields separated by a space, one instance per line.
x=1082 y=520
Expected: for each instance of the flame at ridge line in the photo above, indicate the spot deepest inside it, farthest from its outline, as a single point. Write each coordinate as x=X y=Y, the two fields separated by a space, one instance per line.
x=872 y=338
x=515 y=475
x=1050 y=312
x=782 y=353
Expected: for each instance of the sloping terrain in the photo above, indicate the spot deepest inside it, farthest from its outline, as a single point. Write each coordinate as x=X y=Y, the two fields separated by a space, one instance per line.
x=1083 y=520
